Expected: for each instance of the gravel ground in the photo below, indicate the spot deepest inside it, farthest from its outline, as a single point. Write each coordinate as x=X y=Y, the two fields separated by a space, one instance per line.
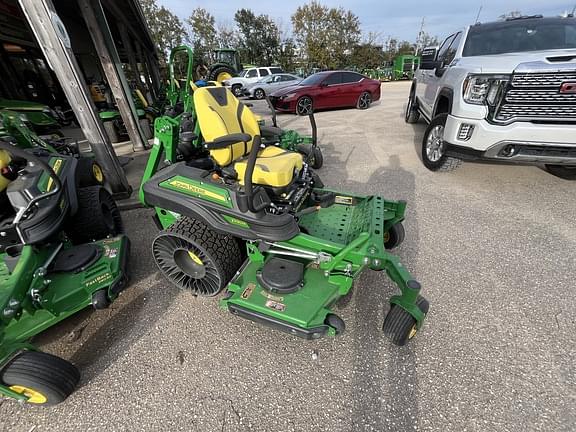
x=493 y=246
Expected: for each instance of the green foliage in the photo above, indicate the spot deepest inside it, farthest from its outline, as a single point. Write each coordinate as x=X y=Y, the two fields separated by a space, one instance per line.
x=260 y=38
x=203 y=32
x=166 y=29
x=326 y=35
x=367 y=56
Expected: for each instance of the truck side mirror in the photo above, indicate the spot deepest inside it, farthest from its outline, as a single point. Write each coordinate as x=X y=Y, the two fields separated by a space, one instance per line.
x=428 y=59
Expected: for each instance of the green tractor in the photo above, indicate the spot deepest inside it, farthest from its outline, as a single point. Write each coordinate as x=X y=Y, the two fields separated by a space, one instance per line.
x=40 y=118
x=226 y=65
x=61 y=250
x=256 y=222
x=404 y=67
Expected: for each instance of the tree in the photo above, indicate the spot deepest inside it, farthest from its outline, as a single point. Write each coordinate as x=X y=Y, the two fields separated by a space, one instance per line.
x=326 y=35
x=405 y=47
x=204 y=36
x=367 y=56
x=511 y=14
x=426 y=40
x=166 y=29
x=260 y=37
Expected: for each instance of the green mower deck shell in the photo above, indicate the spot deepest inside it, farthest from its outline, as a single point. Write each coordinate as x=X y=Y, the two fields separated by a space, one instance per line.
x=35 y=113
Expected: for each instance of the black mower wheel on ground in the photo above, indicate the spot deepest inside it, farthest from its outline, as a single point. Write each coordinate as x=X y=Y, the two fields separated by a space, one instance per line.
x=336 y=323
x=218 y=73
x=237 y=90
x=195 y=258
x=111 y=131
x=434 y=148
x=412 y=115
x=304 y=106
x=100 y=299
x=259 y=94
x=89 y=173
x=400 y=326
x=364 y=101
x=563 y=172
x=44 y=378
x=317 y=160
x=97 y=217
x=394 y=236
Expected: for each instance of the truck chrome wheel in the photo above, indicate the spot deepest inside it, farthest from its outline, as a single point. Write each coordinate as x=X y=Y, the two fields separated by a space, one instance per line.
x=435 y=143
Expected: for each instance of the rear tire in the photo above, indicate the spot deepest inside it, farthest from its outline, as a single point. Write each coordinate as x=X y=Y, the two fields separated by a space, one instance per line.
x=89 y=173
x=317 y=157
x=111 y=131
x=215 y=73
x=97 y=217
x=146 y=129
x=412 y=114
x=195 y=258
x=434 y=148
x=44 y=378
x=563 y=172
x=364 y=101
x=259 y=94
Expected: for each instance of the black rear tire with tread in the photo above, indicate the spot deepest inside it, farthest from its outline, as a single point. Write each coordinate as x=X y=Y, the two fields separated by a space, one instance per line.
x=53 y=377
x=213 y=76
x=412 y=115
x=97 y=217
x=111 y=131
x=85 y=172
x=318 y=158
x=222 y=252
x=399 y=325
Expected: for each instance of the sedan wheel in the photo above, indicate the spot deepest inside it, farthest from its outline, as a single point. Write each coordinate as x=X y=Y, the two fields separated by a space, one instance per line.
x=237 y=90
x=364 y=101
x=259 y=94
x=304 y=106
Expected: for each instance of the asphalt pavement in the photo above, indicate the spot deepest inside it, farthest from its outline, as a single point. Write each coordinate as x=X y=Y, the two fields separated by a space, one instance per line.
x=493 y=246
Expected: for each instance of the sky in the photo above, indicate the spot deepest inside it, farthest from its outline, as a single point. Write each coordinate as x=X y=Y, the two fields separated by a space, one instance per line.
x=400 y=18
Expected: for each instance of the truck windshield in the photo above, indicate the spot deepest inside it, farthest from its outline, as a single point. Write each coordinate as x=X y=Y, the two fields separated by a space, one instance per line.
x=522 y=35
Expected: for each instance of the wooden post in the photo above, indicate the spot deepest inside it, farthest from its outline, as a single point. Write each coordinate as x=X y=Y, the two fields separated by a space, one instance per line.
x=100 y=32
x=125 y=37
x=142 y=60
x=55 y=43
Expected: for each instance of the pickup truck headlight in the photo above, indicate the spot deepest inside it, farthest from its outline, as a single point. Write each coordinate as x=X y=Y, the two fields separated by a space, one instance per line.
x=484 y=89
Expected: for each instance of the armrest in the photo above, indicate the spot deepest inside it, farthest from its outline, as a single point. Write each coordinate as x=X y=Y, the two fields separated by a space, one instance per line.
x=227 y=140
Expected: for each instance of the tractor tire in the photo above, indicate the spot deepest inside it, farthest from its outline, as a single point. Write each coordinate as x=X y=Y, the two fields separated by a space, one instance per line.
x=44 y=378
x=218 y=74
x=317 y=158
x=97 y=217
x=111 y=132
x=195 y=258
x=433 y=147
x=88 y=173
x=146 y=129
x=399 y=325
x=563 y=172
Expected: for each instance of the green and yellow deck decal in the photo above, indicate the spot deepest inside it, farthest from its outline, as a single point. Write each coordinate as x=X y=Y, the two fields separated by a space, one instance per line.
x=234 y=221
x=46 y=182
x=198 y=189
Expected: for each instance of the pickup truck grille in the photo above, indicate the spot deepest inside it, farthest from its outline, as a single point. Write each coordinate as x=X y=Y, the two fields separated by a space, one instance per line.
x=537 y=97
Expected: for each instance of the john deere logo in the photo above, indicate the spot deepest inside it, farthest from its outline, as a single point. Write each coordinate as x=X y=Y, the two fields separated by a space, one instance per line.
x=195 y=189
x=568 y=88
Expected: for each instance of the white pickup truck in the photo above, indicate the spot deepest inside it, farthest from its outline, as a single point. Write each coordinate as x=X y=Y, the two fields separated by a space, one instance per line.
x=503 y=92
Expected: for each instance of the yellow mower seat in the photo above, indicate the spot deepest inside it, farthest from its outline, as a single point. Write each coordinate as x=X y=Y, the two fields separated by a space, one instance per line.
x=219 y=114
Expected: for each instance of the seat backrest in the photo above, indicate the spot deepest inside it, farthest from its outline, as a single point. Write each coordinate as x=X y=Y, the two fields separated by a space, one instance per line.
x=220 y=113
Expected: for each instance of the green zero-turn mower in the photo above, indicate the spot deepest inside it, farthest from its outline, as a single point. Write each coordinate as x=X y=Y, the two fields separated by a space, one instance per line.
x=255 y=221
x=180 y=113
x=61 y=250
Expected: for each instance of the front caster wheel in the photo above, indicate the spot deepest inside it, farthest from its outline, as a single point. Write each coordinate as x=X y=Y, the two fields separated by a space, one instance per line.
x=394 y=236
x=400 y=326
x=43 y=378
x=336 y=323
x=100 y=299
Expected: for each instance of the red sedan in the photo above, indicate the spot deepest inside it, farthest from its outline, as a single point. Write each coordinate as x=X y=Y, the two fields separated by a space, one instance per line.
x=332 y=89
